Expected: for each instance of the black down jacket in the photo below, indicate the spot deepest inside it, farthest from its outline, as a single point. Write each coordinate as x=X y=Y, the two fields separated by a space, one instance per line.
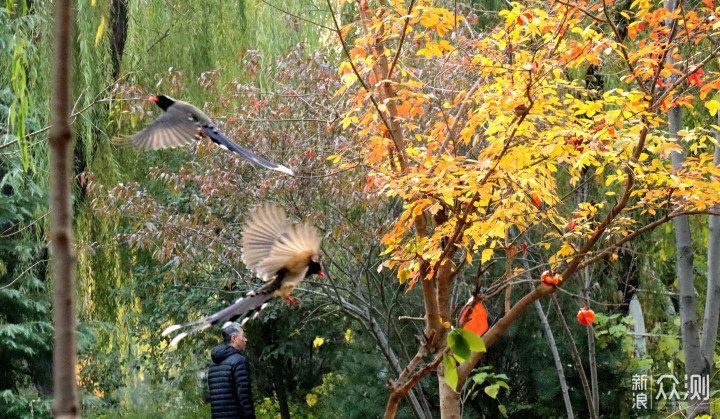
x=229 y=382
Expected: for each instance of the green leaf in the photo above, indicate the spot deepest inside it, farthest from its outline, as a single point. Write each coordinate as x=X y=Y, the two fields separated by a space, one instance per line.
x=460 y=347
x=451 y=376
x=474 y=341
x=480 y=378
x=492 y=390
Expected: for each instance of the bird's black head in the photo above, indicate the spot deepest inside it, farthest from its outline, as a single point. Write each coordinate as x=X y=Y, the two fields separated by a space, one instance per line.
x=164 y=102
x=315 y=268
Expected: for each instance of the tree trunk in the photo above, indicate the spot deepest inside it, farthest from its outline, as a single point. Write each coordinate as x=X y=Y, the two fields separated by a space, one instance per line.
x=119 y=23
x=592 y=360
x=449 y=398
x=694 y=362
x=712 y=298
x=66 y=403
x=556 y=358
x=280 y=389
x=576 y=358
x=635 y=311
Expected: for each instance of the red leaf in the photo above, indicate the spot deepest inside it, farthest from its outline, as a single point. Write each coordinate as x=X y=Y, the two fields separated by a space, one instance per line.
x=571 y=225
x=536 y=200
x=524 y=18
x=477 y=320
x=310 y=153
x=524 y=248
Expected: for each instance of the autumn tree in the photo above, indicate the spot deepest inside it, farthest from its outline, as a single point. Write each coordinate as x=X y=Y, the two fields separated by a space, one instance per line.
x=488 y=137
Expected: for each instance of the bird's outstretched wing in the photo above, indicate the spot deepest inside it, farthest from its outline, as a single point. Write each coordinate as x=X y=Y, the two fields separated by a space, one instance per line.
x=270 y=243
x=253 y=301
x=174 y=128
x=220 y=139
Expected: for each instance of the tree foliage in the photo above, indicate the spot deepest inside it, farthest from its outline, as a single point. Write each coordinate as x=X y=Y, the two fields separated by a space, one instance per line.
x=445 y=151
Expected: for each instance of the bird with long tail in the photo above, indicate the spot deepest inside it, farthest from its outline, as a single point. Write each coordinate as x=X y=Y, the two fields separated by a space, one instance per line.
x=279 y=252
x=182 y=123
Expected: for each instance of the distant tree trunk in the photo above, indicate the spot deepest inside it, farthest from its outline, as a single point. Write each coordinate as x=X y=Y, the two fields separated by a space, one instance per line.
x=66 y=403
x=635 y=311
x=712 y=299
x=576 y=357
x=556 y=358
x=694 y=363
x=592 y=360
x=119 y=23
x=280 y=388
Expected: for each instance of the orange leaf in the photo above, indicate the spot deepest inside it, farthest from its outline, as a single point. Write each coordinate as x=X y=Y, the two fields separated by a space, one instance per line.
x=477 y=320
x=632 y=33
x=536 y=200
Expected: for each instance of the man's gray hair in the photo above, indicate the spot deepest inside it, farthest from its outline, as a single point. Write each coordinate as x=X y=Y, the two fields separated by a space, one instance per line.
x=229 y=330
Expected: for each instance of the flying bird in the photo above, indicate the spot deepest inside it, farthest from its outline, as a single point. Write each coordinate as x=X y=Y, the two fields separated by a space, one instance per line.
x=181 y=123
x=279 y=252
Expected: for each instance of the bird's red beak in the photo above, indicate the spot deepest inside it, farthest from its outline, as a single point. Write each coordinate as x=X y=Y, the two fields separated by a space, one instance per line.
x=321 y=274
x=153 y=98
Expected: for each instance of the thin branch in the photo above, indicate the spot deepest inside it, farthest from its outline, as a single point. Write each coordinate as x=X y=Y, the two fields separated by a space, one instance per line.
x=357 y=74
x=296 y=16
x=23 y=273
x=402 y=39
x=576 y=357
x=4 y=236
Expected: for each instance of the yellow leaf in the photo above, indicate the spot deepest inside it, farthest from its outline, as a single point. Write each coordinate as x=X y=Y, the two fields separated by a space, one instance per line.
x=99 y=30
x=311 y=399
x=486 y=255
x=348 y=336
x=92 y=3
x=318 y=342
x=713 y=106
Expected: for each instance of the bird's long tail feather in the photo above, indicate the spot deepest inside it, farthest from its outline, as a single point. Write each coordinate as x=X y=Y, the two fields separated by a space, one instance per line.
x=252 y=302
x=223 y=141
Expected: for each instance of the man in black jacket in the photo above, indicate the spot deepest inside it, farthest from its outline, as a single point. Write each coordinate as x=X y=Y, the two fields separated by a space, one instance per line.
x=229 y=377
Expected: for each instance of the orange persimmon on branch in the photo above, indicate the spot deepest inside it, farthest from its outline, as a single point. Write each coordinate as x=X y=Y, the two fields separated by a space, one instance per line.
x=494 y=135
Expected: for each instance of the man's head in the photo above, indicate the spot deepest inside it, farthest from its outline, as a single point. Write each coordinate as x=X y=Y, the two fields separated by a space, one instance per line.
x=234 y=336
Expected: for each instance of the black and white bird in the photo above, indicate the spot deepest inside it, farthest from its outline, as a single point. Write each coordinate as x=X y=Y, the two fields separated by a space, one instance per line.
x=279 y=252
x=182 y=123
